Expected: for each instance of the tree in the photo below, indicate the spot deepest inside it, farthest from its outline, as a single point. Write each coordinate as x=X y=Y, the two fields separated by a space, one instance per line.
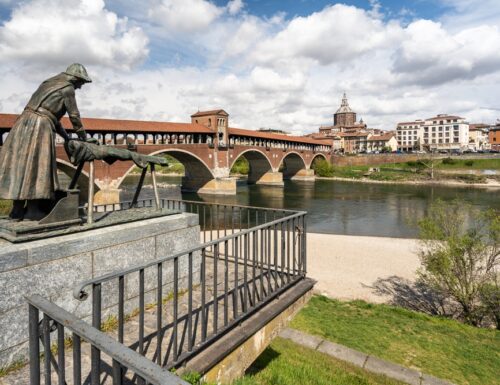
x=429 y=162
x=460 y=255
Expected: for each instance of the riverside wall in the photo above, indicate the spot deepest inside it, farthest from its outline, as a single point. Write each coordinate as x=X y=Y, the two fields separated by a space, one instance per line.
x=373 y=159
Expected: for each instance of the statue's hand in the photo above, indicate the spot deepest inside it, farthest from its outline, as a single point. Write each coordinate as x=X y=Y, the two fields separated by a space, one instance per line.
x=92 y=140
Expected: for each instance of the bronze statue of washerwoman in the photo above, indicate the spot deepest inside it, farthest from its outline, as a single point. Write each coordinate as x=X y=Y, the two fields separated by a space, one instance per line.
x=28 y=171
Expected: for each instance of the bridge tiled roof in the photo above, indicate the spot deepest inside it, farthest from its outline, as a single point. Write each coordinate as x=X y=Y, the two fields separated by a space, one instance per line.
x=272 y=136
x=119 y=125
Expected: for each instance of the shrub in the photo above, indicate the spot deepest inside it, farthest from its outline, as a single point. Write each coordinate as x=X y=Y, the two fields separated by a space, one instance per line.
x=323 y=168
x=241 y=166
x=460 y=254
x=469 y=162
x=448 y=161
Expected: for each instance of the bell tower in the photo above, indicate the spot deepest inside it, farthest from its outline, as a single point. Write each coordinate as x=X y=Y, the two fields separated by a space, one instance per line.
x=217 y=121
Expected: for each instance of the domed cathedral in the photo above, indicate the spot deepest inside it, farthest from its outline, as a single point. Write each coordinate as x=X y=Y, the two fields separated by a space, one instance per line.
x=344 y=117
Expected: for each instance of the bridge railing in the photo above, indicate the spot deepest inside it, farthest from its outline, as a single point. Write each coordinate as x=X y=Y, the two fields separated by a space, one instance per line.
x=182 y=303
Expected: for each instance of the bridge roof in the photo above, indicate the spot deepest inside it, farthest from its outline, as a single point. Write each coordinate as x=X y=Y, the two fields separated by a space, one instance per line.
x=117 y=125
x=272 y=136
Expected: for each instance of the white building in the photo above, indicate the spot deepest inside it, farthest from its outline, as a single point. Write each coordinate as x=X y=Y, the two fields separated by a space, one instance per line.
x=478 y=137
x=445 y=132
x=409 y=135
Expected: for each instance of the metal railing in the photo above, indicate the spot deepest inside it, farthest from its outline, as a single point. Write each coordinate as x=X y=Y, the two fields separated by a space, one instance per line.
x=72 y=332
x=168 y=309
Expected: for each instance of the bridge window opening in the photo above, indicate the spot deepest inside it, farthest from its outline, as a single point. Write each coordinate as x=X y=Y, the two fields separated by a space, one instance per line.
x=209 y=122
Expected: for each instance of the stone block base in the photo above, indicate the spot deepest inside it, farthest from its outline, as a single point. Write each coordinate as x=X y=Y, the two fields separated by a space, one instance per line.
x=52 y=267
x=271 y=179
x=107 y=196
x=305 y=175
x=217 y=186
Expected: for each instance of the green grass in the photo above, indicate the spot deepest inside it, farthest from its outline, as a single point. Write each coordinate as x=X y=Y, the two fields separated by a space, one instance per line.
x=5 y=207
x=441 y=347
x=286 y=363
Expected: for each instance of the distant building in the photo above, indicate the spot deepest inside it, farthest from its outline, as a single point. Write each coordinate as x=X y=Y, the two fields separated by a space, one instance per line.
x=478 y=136
x=409 y=135
x=446 y=132
x=494 y=137
x=351 y=136
x=441 y=132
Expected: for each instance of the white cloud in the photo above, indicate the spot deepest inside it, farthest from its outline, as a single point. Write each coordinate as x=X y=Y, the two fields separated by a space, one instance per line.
x=184 y=16
x=235 y=6
x=337 y=33
x=48 y=32
x=430 y=55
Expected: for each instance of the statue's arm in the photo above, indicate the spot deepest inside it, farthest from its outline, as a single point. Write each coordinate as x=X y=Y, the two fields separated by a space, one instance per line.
x=73 y=113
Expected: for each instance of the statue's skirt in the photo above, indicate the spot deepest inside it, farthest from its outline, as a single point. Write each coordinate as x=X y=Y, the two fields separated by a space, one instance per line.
x=28 y=167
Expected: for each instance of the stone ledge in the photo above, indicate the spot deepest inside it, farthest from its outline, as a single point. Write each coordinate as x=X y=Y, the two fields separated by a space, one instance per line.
x=362 y=360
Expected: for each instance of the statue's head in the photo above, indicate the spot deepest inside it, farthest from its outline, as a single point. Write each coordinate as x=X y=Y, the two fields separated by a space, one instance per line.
x=79 y=74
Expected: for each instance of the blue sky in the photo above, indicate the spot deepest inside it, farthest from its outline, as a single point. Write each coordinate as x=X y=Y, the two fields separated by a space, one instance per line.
x=280 y=64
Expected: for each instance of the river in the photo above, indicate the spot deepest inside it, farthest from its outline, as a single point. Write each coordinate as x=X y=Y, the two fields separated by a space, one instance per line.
x=338 y=207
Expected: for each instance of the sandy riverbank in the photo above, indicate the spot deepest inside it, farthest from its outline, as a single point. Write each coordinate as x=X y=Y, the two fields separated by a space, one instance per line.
x=347 y=267
x=490 y=183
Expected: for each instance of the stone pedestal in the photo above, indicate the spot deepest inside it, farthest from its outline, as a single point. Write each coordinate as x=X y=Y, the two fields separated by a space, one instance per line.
x=51 y=268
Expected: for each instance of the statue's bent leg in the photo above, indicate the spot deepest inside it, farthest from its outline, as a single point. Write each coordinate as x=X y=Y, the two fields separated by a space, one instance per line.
x=18 y=209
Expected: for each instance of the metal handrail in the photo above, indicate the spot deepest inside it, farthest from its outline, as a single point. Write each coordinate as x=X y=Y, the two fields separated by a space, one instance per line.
x=80 y=294
x=128 y=358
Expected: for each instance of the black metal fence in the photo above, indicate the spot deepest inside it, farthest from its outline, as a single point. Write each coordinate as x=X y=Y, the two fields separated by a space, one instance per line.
x=168 y=309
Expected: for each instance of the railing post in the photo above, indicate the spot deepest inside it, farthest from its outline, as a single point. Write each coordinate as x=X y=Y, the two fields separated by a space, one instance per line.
x=34 y=345
x=95 y=354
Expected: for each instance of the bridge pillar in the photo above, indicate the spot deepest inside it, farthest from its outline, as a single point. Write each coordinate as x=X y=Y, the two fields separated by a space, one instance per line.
x=217 y=186
x=304 y=174
x=269 y=178
x=107 y=196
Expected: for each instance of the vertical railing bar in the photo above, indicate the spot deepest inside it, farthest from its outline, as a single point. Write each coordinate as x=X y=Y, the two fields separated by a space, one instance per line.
x=121 y=308
x=203 y=299
x=204 y=224
x=176 y=303
x=254 y=261
x=268 y=259
x=60 y=355
x=141 y=312
x=117 y=373
x=293 y=247
x=77 y=360
x=159 y=310
x=34 y=345
x=216 y=302
x=217 y=219
x=95 y=354
x=275 y=256
x=225 y=227
x=226 y=282
x=236 y=284
x=305 y=243
x=283 y=255
x=47 y=351
x=288 y=249
x=261 y=263
x=245 y=273
x=190 y=301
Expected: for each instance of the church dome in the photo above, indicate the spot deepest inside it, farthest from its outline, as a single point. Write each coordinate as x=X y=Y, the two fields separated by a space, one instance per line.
x=344 y=106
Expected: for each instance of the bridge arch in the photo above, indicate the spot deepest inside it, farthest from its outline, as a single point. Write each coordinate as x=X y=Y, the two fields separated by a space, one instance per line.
x=197 y=172
x=292 y=164
x=317 y=156
x=259 y=164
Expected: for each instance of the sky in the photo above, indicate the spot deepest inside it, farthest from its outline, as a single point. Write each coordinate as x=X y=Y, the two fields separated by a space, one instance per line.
x=281 y=64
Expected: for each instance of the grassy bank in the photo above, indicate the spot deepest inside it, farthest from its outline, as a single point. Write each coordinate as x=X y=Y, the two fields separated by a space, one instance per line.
x=286 y=363
x=441 y=347
x=447 y=169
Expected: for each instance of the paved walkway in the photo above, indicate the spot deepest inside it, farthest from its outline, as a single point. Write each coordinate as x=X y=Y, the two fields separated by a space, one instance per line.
x=367 y=362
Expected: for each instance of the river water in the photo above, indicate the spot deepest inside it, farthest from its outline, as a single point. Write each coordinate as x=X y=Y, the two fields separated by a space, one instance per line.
x=338 y=207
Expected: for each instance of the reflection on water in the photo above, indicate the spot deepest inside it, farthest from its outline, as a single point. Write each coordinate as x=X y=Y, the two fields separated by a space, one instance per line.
x=340 y=207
